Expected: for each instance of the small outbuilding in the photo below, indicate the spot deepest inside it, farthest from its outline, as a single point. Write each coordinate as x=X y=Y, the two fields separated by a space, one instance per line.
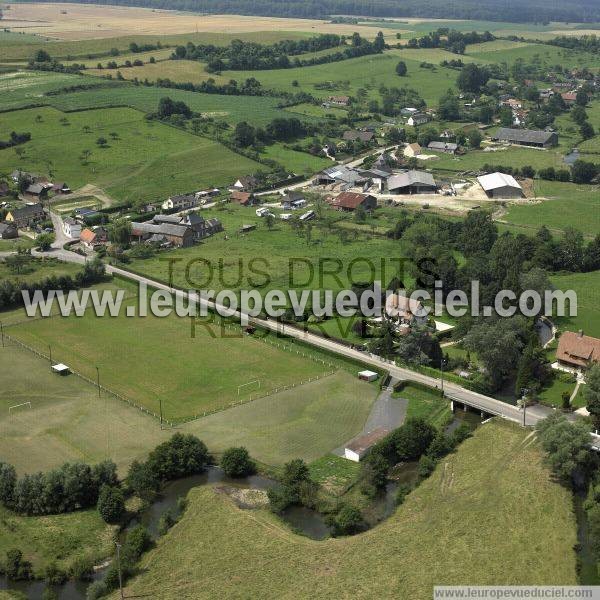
x=359 y=447
x=61 y=369
x=367 y=375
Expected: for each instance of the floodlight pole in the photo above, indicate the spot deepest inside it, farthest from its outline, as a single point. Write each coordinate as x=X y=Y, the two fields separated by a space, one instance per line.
x=161 y=413
x=119 y=568
x=50 y=351
x=98 y=380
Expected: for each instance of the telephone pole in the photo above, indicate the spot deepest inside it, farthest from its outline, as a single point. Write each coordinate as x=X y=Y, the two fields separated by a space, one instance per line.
x=119 y=569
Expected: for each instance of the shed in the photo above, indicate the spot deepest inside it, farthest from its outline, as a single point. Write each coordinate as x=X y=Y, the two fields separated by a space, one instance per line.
x=61 y=369
x=359 y=447
x=367 y=375
x=500 y=185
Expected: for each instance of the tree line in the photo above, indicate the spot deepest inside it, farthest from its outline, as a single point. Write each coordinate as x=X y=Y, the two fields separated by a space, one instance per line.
x=450 y=39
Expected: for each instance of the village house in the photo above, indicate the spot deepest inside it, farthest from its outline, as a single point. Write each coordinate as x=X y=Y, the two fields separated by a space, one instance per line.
x=27 y=216
x=404 y=310
x=350 y=201
x=412 y=182
x=92 y=238
x=417 y=119
x=293 y=200
x=412 y=150
x=342 y=175
x=164 y=234
x=446 y=147
x=512 y=103
x=339 y=100
x=577 y=351
x=201 y=227
x=569 y=98
x=353 y=135
x=243 y=198
x=71 y=228
x=8 y=231
x=500 y=186
x=527 y=137
x=181 y=202
x=38 y=190
x=247 y=183
x=61 y=188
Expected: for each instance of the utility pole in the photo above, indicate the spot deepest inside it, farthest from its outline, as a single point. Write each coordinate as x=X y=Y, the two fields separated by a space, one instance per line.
x=442 y=373
x=2 y=333
x=119 y=568
x=161 y=414
x=98 y=380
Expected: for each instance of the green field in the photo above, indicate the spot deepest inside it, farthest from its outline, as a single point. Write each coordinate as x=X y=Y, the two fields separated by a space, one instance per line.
x=297 y=162
x=493 y=488
x=57 y=538
x=66 y=207
x=425 y=404
x=190 y=375
x=147 y=160
x=564 y=205
x=37 y=269
x=587 y=287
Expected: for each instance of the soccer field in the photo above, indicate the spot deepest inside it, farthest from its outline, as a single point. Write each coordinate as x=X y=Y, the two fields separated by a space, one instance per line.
x=151 y=359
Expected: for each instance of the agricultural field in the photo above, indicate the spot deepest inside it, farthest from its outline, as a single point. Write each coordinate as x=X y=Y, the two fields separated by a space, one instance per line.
x=282 y=253
x=217 y=372
x=587 y=288
x=295 y=161
x=562 y=205
x=457 y=508
x=144 y=159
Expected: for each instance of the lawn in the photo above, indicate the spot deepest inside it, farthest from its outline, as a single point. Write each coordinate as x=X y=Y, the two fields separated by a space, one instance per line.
x=36 y=270
x=492 y=506
x=564 y=205
x=297 y=162
x=21 y=242
x=304 y=422
x=148 y=359
x=146 y=159
x=425 y=404
x=57 y=538
x=587 y=287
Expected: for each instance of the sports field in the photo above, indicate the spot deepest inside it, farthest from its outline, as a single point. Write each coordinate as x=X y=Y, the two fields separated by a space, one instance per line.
x=494 y=487
x=142 y=159
x=152 y=359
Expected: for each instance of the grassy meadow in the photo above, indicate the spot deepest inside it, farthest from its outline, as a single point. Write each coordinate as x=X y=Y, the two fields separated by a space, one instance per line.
x=494 y=488
x=144 y=159
x=587 y=288
x=37 y=269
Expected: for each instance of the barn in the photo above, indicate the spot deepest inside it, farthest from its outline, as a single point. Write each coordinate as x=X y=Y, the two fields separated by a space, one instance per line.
x=500 y=186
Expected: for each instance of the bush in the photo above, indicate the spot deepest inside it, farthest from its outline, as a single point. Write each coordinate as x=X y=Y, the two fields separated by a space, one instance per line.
x=96 y=590
x=427 y=464
x=81 y=569
x=236 y=462
x=180 y=456
x=166 y=521
x=16 y=567
x=137 y=542
x=54 y=575
x=111 y=504
x=347 y=521
x=403 y=490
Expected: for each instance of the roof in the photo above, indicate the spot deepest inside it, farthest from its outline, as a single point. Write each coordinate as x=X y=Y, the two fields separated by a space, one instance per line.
x=339 y=98
x=247 y=180
x=87 y=236
x=417 y=116
x=497 y=180
x=349 y=200
x=60 y=368
x=241 y=196
x=414 y=147
x=183 y=198
x=174 y=220
x=399 y=305
x=70 y=221
x=343 y=173
x=411 y=178
x=35 y=188
x=532 y=136
x=6 y=226
x=293 y=196
x=363 y=136
x=27 y=210
x=443 y=146
x=570 y=96
x=362 y=443
x=578 y=349
x=161 y=229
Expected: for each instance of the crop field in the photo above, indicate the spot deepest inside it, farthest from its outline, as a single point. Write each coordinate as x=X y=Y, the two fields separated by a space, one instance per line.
x=564 y=205
x=154 y=359
x=587 y=287
x=276 y=253
x=524 y=511
x=145 y=160
x=304 y=422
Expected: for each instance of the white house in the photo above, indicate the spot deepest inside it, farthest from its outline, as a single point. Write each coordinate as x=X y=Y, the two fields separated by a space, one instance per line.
x=71 y=228
x=417 y=119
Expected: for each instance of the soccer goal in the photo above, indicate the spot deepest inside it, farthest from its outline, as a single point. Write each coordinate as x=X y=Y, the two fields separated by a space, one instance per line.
x=21 y=406
x=247 y=386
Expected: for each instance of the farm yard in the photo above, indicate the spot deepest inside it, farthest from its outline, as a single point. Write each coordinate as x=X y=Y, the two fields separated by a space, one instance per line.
x=458 y=503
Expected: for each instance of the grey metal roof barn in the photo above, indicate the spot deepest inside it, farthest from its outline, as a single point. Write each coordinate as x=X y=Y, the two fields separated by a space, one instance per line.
x=530 y=137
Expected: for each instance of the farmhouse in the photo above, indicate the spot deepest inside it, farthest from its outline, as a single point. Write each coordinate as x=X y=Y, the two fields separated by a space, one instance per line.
x=569 y=97
x=500 y=185
x=447 y=147
x=405 y=310
x=340 y=174
x=417 y=119
x=71 y=228
x=412 y=182
x=349 y=201
x=245 y=183
x=339 y=100
x=200 y=227
x=576 y=350
x=527 y=137
x=243 y=198
x=363 y=136
x=27 y=216
x=8 y=231
x=412 y=150
x=359 y=447
x=38 y=190
x=181 y=202
x=92 y=238
x=163 y=233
